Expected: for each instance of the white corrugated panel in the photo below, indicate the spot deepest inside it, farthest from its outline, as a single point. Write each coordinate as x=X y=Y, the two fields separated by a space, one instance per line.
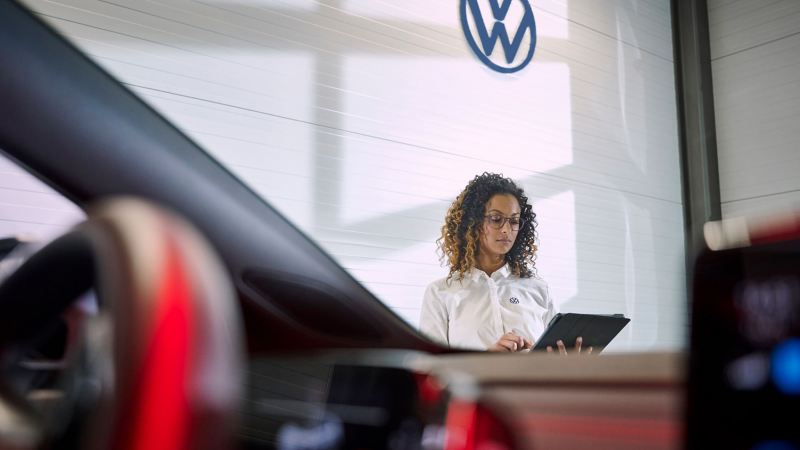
x=362 y=120
x=31 y=209
x=739 y=25
x=756 y=73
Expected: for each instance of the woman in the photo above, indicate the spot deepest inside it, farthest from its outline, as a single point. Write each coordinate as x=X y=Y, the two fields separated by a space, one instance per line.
x=491 y=299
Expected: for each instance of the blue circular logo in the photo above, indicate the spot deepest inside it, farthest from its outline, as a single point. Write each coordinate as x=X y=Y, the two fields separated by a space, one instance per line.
x=510 y=61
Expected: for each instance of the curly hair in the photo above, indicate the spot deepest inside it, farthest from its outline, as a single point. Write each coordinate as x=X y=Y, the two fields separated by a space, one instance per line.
x=459 y=242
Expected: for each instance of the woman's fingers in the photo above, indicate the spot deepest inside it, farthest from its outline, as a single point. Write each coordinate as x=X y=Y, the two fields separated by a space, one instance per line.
x=511 y=342
x=562 y=349
x=526 y=344
x=506 y=345
x=518 y=341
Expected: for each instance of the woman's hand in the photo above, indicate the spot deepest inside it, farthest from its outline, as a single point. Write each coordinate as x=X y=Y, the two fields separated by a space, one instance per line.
x=511 y=342
x=562 y=350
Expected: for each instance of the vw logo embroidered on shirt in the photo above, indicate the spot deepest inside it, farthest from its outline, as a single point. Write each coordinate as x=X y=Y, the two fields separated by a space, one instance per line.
x=483 y=41
x=514 y=300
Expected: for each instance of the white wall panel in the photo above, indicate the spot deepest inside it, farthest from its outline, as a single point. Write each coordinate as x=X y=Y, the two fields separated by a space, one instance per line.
x=362 y=120
x=31 y=209
x=756 y=75
x=739 y=25
x=774 y=204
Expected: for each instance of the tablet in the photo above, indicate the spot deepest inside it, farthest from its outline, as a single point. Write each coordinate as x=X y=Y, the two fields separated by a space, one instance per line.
x=597 y=330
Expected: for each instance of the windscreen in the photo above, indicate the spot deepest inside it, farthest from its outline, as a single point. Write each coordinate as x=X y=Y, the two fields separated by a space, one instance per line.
x=362 y=122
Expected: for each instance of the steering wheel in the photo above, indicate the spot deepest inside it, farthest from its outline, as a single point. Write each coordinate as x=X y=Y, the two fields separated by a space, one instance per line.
x=160 y=364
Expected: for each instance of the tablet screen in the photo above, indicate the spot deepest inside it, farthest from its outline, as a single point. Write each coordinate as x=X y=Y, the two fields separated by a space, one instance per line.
x=596 y=330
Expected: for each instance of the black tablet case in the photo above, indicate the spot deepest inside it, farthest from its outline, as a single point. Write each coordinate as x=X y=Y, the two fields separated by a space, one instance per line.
x=597 y=330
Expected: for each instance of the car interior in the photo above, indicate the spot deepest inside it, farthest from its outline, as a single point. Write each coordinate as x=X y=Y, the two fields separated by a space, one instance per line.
x=186 y=312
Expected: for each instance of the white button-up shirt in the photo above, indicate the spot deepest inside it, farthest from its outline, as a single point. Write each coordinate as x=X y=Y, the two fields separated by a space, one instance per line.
x=475 y=312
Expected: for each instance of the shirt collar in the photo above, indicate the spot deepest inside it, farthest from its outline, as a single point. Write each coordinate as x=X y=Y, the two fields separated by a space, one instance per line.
x=503 y=272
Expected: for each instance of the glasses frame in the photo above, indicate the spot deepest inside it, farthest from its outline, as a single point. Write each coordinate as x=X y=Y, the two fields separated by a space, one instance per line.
x=504 y=221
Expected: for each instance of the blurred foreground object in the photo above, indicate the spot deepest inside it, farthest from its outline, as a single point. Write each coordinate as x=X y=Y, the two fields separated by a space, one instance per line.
x=160 y=365
x=744 y=369
x=14 y=250
x=743 y=231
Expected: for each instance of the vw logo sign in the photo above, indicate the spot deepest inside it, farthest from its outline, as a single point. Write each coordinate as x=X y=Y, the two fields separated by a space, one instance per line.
x=517 y=51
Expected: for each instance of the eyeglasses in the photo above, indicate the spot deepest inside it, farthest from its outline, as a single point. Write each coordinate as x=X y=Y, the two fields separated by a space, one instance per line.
x=497 y=221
